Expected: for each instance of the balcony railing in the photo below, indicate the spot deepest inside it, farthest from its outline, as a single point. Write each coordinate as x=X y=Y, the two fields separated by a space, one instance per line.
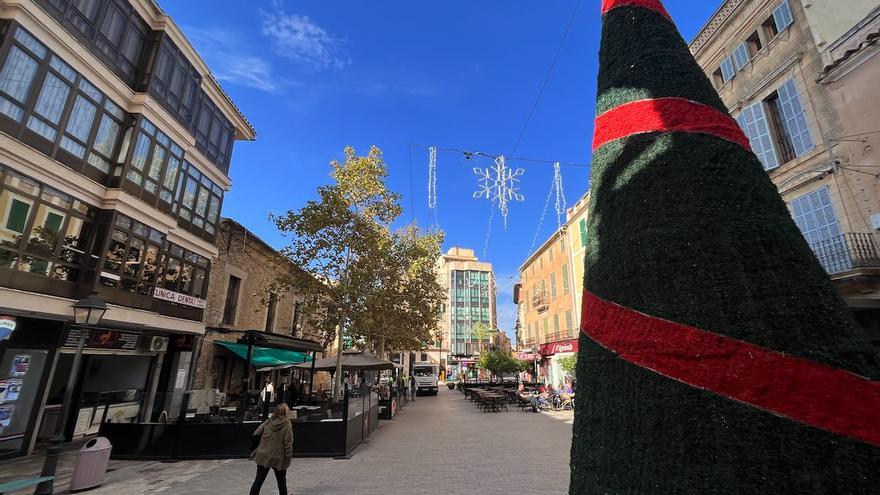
x=560 y=335
x=848 y=251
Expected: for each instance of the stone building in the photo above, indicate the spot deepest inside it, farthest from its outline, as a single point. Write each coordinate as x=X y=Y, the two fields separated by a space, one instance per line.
x=799 y=76
x=241 y=298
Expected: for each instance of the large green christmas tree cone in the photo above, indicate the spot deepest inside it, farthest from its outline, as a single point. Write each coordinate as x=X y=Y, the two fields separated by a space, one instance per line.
x=715 y=355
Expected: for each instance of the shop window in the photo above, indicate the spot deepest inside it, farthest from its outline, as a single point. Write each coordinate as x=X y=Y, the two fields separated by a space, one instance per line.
x=183 y=271
x=79 y=124
x=42 y=230
x=130 y=260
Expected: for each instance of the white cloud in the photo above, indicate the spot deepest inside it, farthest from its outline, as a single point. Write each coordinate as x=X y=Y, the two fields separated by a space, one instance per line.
x=218 y=47
x=298 y=38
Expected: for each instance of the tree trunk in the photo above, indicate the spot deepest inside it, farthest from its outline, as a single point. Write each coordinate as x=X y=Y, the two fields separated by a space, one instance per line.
x=337 y=379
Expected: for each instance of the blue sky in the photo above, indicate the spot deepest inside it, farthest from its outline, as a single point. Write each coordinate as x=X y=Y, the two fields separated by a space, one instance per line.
x=316 y=76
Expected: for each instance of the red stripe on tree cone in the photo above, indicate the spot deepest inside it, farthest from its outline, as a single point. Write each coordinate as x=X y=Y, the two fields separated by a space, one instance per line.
x=802 y=390
x=655 y=5
x=666 y=115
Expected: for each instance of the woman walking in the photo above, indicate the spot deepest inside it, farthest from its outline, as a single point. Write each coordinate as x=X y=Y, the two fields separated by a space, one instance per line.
x=275 y=450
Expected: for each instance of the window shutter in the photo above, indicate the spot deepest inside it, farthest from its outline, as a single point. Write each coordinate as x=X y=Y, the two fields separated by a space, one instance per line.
x=794 y=120
x=782 y=16
x=553 y=285
x=741 y=55
x=583 y=226
x=815 y=217
x=727 y=69
x=18 y=214
x=753 y=120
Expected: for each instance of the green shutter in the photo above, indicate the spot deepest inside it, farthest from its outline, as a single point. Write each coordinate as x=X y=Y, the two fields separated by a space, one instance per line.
x=53 y=222
x=583 y=232
x=18 y=214
x=566 y=285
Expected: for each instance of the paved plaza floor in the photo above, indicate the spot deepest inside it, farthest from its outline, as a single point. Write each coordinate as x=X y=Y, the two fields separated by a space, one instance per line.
x=438 y=445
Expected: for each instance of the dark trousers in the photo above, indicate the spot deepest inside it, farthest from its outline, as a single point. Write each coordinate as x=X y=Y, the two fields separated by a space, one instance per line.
x=262 y=472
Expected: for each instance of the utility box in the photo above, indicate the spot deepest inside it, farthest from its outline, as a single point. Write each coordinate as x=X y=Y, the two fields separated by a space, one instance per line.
x=90 y=469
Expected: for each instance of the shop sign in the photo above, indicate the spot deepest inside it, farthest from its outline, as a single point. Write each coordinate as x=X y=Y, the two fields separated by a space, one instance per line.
x=559 y=347
x=177 y=297
x=526 y=356
x=104 y=339
x=182 y=342
x=7 y=326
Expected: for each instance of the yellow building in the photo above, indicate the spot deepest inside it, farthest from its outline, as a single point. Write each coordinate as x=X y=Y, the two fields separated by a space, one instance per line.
x=800 y=77
x=549 y=292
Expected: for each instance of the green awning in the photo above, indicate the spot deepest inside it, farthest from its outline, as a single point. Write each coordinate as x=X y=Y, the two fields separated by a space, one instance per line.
x=263 y=356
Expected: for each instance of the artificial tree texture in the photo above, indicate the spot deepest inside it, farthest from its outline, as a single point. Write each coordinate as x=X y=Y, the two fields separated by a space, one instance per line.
x=687 y=227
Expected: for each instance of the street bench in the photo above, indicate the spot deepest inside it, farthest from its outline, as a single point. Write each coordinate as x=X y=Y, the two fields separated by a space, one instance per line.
x=13 y=485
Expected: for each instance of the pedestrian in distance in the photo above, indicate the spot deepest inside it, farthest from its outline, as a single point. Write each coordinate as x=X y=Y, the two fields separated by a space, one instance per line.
x=275 y=450
x=413 y=387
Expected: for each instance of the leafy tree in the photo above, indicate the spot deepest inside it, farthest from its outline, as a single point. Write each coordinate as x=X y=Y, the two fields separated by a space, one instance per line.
x=360 y=277
x=569 y=364
x=500 y=363
x=482 y=333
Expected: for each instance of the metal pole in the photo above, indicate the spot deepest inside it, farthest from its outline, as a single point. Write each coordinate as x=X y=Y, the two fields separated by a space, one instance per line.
x=53 y=451
x=245 y=381
x=312 y=375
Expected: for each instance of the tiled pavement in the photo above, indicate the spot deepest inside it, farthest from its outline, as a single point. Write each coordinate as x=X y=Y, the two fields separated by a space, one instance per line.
x=439 y=445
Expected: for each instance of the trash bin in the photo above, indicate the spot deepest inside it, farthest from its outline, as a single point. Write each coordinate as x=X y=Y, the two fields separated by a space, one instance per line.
x=90 y=469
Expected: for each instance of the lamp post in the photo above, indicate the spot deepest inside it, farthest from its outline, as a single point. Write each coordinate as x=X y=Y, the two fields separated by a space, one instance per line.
x=87 y=312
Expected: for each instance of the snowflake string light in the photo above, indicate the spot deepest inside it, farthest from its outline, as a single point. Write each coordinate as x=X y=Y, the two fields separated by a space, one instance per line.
x=432 y=178
x=498 y=184
x=561 y=204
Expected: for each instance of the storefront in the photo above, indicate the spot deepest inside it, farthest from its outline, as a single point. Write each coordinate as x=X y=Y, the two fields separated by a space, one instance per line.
x=552 y=354
x=125 y=374
x=26 y=354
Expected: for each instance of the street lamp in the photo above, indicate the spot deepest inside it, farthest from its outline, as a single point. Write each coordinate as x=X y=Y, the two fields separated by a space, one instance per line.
x=89 y=310
x=86 y=312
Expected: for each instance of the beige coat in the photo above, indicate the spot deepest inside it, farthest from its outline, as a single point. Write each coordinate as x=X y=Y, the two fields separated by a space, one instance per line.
x=276 y=444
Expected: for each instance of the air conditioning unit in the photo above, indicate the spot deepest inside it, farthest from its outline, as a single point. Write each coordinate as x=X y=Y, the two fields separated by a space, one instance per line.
x=158 y=344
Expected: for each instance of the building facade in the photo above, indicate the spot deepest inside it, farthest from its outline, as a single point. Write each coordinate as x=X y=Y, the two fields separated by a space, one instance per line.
x=471 y=302
x=799 y=76
x=243 y=297
x=548 y=296
x=115 y=145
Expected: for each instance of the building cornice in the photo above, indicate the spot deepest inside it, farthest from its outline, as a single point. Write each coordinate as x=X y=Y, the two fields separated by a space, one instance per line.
x=715 y=23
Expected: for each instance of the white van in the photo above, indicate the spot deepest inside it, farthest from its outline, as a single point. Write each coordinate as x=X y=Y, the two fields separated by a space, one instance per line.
x=426 y=375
